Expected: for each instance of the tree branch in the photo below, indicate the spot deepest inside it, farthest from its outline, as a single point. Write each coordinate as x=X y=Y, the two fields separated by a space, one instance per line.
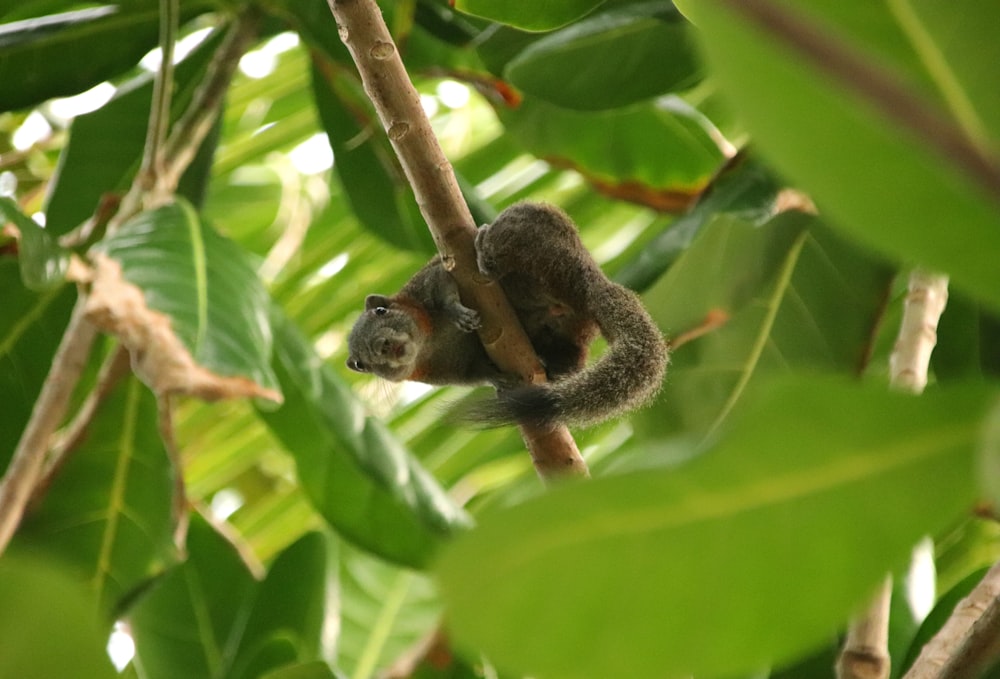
x=190 y=131
x=22 y=475
x=866 y=651
x=387 y=83
x=969 y=642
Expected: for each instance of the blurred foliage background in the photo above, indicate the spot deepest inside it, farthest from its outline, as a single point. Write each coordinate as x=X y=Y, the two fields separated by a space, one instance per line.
x=693 y=157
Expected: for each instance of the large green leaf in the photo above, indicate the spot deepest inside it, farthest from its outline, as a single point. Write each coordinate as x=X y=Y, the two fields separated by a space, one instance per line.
x=109 y=510
x=385 y=612
x=360 y=478
x=743 y=188
x=887 y=114
x=791 y=295
x=752 y=554
x=30 y=329
x=106 y=145
x=532 y=16
x=210 y=617
x=621 y=161
x=610 y=59
x=376 y=188
x=48 y=624
x=34 y=60
x=204 y=283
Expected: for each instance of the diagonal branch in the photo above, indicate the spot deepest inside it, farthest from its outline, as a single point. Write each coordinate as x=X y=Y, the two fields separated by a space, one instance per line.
x=387 y=83
x=25 y=468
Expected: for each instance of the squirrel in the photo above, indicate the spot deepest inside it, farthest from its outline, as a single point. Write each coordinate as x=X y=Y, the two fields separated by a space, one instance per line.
x=562 y=298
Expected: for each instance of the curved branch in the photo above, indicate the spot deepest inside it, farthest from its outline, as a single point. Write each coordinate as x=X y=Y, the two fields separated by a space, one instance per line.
x=387 y=83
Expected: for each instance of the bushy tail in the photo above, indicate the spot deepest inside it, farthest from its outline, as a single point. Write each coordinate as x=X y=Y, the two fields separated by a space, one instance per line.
x=626 y=377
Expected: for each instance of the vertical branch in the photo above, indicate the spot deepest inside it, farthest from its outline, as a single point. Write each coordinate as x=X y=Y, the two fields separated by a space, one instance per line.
x=163 y=86
x=866 y=649
x=196 y=122
x=387 y=83
x=866 y=654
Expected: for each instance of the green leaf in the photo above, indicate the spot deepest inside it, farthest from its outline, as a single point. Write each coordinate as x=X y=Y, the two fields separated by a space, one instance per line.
x=531 y=16
x=48 y=624
x=791 y=295
x=359 y=478
x=365 y=164
x=745 y=189
x=106 y=145
x=205 y=284
x=43 y=262
x=610 y=59
x=818 y=490
x=621 y=161
x=879 y=115
x=209 y=617
x=30 y=330
x=33 y=53
x=386 y=611
x=109 y=510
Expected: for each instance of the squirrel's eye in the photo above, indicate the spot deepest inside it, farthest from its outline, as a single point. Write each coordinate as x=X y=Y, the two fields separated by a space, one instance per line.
x=381 y=311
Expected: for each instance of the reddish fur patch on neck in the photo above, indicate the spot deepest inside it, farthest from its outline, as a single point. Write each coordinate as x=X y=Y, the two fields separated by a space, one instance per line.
x=418 y=313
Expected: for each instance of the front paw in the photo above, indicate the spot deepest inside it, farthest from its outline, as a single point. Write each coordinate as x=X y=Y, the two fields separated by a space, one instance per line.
x=466 y=319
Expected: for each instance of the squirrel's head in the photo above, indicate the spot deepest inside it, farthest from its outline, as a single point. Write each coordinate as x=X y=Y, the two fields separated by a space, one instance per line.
x=385 y=340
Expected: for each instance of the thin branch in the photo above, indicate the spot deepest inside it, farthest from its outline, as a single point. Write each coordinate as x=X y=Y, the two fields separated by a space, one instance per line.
x=170 y=158
x=115 y=367
x=387 y=83
x=179 y=507
x=22 y=475
x=163 y=86
x=969 y=642
x=926 y=297
x=866 y=650
x=190 y=131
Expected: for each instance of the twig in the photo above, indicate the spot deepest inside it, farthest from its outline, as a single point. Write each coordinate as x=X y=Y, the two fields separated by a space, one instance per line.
x=866 y=654
x=192 y=128
x=387 y=83
x=175 y=153
x=159 y=112
x=866 y=650
x=179 y=507
x=19 y=482
x=115 y=367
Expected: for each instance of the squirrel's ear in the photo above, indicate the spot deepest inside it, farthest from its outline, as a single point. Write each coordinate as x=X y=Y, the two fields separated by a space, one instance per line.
x=373 y=301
